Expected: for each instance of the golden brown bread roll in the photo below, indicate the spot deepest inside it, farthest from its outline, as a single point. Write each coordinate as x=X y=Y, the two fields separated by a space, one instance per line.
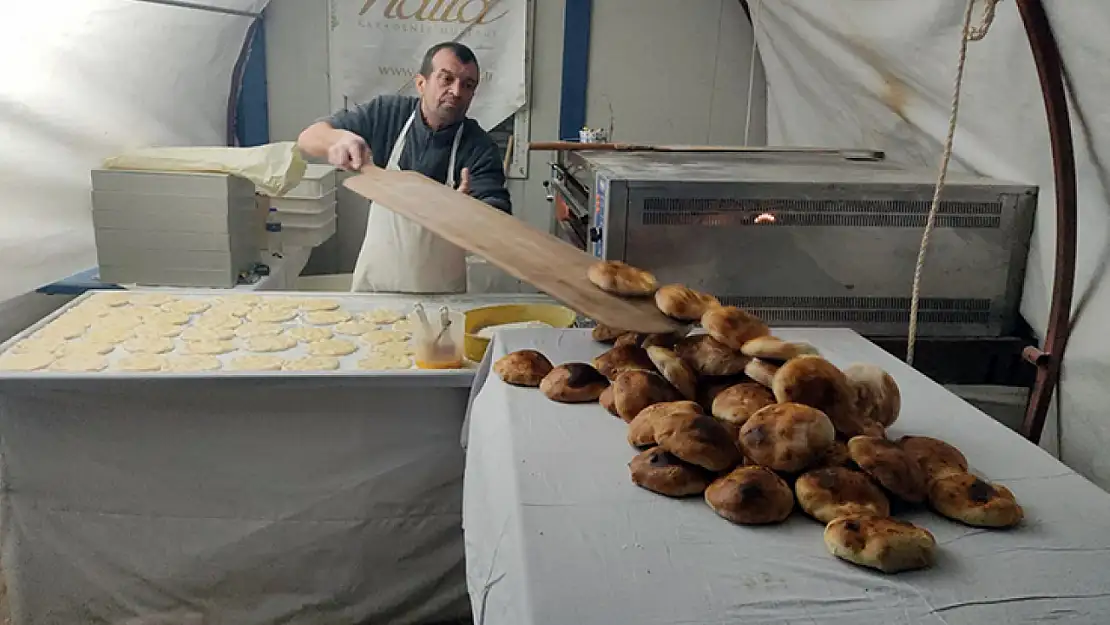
x=936 y=458
x=737 y=403
x=880 y=543
x=634 y=339
x=732 y=326
x=622 y=279
x=664 y=473
x=835 y=456
x=606 y=401
x=761 y=371
x=623 y=358
x=683 y=303
x=876 y=393
x=696 y=438
x=635 y=390
x=832 y=492
x=572 y=383
x=709 y=357
x=606 y=334
x=641 y=430
x=526 y=367
x=750 y=496
x=965 y=498
x=787 y=437
x=675 y=370
x=774 y=349
x=888 y=465
x=816 y=382
x=662 y=340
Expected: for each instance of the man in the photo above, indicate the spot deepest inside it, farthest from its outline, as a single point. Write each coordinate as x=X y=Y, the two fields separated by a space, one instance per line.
x=429 y=134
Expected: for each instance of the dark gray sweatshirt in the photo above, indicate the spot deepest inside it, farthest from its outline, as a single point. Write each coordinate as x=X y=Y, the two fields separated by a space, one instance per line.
x=428 y=151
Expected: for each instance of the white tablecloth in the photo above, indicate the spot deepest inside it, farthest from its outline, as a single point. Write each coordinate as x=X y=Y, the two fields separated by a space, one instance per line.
x=556 y=533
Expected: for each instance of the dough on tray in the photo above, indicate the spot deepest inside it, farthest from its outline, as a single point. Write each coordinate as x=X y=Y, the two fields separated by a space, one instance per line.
x=381 y=316
x=151 y=299
x=268 y=314
x=38 y=344
x=199 y=333
x=192 y=364
x=256 y=362
x=309 y=334
x=158 y=330
x=148 y=345
x=109 y=335
x=209 y=347
x=187 y=306
x=29 y=361
x=250 y=330
x=404 y=325
x=264 y=343
x=381 y=362
x=376 y=337
x=327 y=317
x=229 y=309
x=394 y=349
x=332 y=347
x=80 y=364
x=354 y=328
x=312 y=363
x=140 y=363
x=218 y=322
x=318 y=304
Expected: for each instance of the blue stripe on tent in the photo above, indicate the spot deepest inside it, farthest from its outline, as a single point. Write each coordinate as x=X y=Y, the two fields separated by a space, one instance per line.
x=576 y=67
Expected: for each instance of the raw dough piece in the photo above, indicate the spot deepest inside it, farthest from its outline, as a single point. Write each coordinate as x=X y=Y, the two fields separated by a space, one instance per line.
x=318 y=304
x=118 y=321
x=380 y=362
x=354 y=328
x=62 y=331
x=144 y=312
x=312 y=363
x=200 y=333
x=327 y=317
x=158 y=330
x=191 y=364
x=267 y=313
x=245 y=300
x=78 y=364
x=229 y=309
x=140 y=362
x=252 y=330
x=382 y=316
x=38 y=345
x=394 y=349
x=332 y=347
x=151 y=299
x=187 y=306
x=265 y=343
x=109 y=335
x=112 y=298
x=218 y=322
x=404 y=325
x=209 y=347
x=85 y=348
x=309 y=334
x=171 y=318
x=148 y=345
x=257 y=362
x=30 y=361
x=378 y=337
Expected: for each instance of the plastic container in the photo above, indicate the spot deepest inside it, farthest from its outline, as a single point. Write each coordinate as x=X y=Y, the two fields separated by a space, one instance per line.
x=318 y=180
x=447 y=353
x=307 y=220
x=293 y=236
x=304 y=206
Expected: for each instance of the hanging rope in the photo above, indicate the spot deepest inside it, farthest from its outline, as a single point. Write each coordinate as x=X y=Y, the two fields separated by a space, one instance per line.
x=970 y=33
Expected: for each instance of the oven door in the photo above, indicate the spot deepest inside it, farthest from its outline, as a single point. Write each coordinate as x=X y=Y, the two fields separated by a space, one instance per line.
x=569 y=203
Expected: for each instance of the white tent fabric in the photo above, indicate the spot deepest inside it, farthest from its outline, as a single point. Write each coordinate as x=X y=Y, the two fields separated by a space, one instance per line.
x=87 y=79
x=880 y=74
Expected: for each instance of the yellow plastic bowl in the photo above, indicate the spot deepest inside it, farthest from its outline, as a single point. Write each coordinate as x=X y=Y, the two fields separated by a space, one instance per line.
x=478 y=318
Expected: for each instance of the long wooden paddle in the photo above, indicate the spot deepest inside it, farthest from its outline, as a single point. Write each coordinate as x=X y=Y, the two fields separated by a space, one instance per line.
x=540 y=259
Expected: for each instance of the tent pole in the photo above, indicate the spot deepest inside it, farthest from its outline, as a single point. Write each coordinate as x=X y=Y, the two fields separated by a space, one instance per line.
x=1050 y=72
x=201 y=7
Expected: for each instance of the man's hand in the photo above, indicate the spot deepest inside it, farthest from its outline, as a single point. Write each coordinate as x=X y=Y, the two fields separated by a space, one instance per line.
x=464 y=183
x=349 y=152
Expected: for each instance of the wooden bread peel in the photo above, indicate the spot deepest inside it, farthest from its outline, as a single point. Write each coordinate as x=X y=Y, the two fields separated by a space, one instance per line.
x=540 y=259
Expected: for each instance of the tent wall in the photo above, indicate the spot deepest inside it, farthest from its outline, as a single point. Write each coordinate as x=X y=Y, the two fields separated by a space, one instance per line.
x=880 y=74
x=654 y=51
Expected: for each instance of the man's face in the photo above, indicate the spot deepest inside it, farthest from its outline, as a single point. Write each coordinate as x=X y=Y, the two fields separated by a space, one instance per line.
x=447 y=92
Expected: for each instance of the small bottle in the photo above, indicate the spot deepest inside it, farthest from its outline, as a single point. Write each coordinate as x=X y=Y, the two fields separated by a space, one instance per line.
x=273 y=234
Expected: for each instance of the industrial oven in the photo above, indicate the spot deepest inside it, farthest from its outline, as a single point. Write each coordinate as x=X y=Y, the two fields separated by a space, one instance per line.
x=806 y=239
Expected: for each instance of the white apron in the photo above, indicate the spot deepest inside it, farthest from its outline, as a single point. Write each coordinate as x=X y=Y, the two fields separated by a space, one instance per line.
x=401 y=256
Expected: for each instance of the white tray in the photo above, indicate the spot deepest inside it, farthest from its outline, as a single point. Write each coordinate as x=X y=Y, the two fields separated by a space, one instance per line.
x=304 y=206
x=308 y=237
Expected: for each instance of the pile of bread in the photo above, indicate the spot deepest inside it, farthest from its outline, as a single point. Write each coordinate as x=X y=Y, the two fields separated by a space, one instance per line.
x=758 y=426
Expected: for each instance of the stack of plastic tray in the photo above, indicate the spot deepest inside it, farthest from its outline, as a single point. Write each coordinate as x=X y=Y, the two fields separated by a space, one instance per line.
x=307 y=212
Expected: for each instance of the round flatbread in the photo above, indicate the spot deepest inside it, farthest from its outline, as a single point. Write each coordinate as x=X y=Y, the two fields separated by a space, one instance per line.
x=354 y=328
x=312 y=363
x=267 y=313
x=192 y=364
x=308 y=334
x=148 y=345
x=207 y=334
x=327 y=317
x=30 y=361
x=218 y=322
x=151 y=299
x=251 y=330
x=377 y=337
x=80 y=364
x=158 y=330
x=208 y=347
x=266 y=343
x=382 y=362
x=318 y=304
x=256 y=362
x=332 y=347
x=187 y=306
x=382 y=316
x=140 y=363
x=109 y=335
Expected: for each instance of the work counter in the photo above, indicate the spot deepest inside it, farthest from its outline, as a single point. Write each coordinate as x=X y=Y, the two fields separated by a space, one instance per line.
x=245 y=498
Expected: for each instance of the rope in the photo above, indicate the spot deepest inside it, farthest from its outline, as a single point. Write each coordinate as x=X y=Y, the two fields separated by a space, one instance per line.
x=751 y=71
x=970 y=33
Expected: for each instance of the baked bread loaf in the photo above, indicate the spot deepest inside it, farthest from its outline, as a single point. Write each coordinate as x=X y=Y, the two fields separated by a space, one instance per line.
x=737 y=403
x=708 y=357
x=816 y=382
x=733 y=326
x=661 y=472
x=787 y=437
x=622 y=279
x=877 y=396
x=696 y=438
x=606 y=401
x=965 y=498
x=634 y=339
x=832 y=492
x=683 y=303
x=675 y=370
x=761 y=371
x=526 y=367
x=750 y=496
x=606 y=334
x=835 y=456
x=774 y=349
x=623 y=358
x=662 y=340
x=888 y=465
x=635 y=390
x=572 y=383
x=936 y=458
x=880 y=543
x=641 y=430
